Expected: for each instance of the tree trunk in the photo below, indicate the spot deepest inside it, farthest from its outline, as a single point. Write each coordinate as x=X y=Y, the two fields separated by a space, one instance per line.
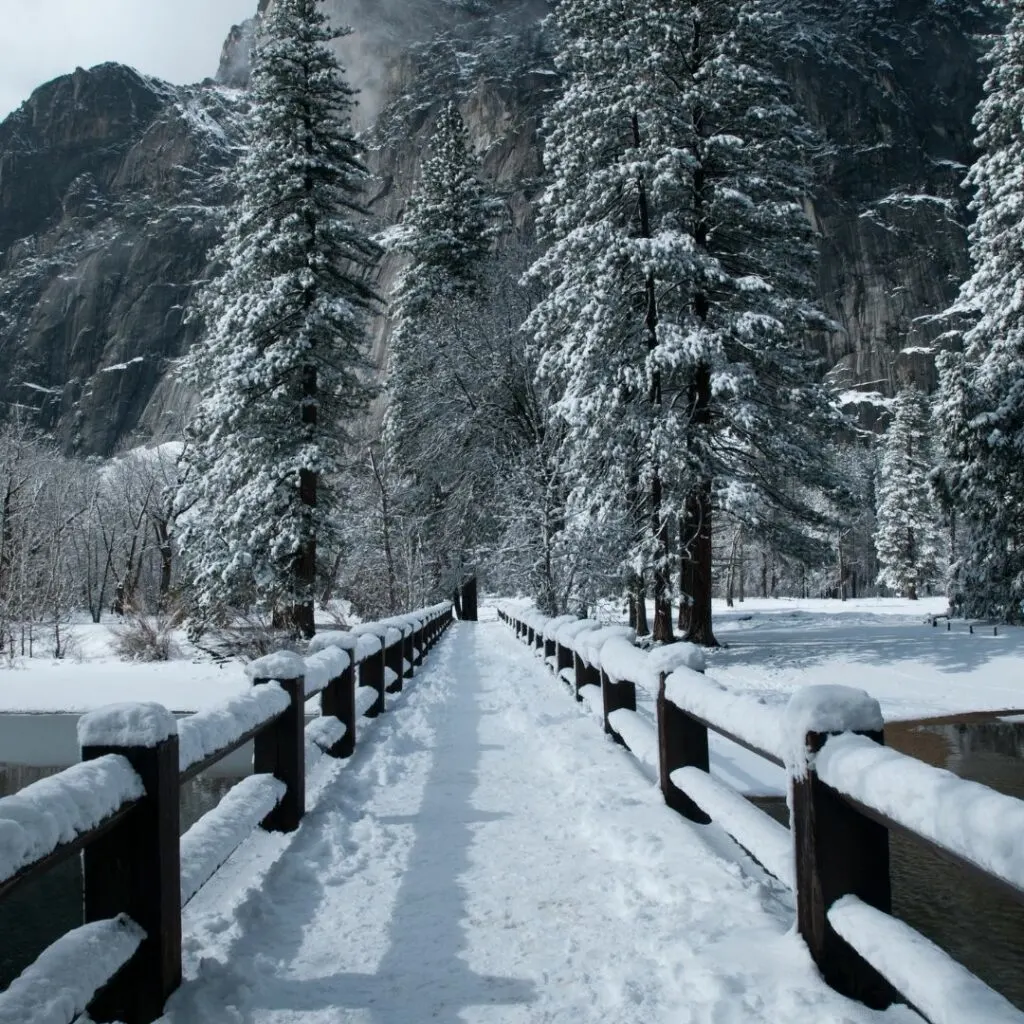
x=700 y=631
x=699 y=512
x=305 y=560
x=640 y=599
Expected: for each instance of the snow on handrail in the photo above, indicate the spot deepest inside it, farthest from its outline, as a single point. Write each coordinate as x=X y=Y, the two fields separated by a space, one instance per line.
x=219 y=729
x=966 y=818
x=222 y=829
x=753 y=721
x=936 y=984
x=59 y=809
x=62 y=981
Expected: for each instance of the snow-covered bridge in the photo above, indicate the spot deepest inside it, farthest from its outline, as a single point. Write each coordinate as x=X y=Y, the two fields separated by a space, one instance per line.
x=485 y=854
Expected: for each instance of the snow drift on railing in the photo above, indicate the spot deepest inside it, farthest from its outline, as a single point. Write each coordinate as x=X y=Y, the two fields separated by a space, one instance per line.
x=757 y=832
x=942 y=989
x=623 y=660
x=217 y=728
x=589 y=643
x=37 y=819
x=279 y=665
x=126 y=725
x=65 y=976
x=324 y=665
x=964 y=817
x=219 y=832
x=747 y=718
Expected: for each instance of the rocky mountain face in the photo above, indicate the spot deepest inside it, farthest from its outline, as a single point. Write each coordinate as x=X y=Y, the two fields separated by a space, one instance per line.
x=112 y=186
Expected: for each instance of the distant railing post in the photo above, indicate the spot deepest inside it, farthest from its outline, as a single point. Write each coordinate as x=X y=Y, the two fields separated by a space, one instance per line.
x=419 y=639
x=586 y=675
x=339 y=699
x=682 y=742
x=563 y=655
x=549 y=647
x=371 y=673
x=393 y=661
x=529 y=636
x=838 y=852
x=407 y=655
x=616 y=696
x=135 y=869
x=280 y=750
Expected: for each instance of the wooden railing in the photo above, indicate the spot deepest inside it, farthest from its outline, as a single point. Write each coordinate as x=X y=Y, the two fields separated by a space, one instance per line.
x=848 y=792
x=119 y=807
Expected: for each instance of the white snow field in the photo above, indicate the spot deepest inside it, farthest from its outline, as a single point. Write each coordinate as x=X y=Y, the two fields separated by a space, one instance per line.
x=488 y=855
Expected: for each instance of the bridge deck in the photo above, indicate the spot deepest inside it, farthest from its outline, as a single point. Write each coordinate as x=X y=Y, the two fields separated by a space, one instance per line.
x=488 y=856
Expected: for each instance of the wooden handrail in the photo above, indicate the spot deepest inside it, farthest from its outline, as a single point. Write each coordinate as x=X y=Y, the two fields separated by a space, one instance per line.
x=842 y=846
x=131 y=858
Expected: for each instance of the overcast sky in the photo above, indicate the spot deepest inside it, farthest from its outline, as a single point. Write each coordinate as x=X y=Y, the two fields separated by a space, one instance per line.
x=179 y=40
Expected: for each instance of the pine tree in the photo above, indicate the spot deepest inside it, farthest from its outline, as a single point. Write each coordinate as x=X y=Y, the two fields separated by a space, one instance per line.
x=983 y=465
x=430 y=425
x=906 y=537
x=679 y=277
x=281 y=368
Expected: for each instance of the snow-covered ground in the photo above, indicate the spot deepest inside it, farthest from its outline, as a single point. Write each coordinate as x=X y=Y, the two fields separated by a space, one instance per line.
x=93 y=675
x=489 y=856
x=880 y=645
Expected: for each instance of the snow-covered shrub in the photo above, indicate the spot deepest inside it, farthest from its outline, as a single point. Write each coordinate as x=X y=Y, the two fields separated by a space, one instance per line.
x=147 y=637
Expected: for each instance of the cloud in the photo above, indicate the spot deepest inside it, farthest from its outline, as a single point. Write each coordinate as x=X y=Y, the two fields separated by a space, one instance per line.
x=178 y=40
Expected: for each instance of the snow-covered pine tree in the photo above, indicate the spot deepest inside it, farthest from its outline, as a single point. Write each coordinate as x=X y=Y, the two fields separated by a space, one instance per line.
x=983 y=466
x=906 y=536
x=280 y=370
x=679 y=276
x=446 y=235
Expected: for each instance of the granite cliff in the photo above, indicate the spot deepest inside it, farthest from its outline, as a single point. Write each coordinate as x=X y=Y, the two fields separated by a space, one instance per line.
x=112 y=186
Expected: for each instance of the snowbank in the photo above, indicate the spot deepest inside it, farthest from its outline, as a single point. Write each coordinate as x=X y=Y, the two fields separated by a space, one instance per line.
x=37 y=819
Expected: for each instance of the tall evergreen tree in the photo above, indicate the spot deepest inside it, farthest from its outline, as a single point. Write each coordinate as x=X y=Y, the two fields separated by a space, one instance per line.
x=679 y=276
x=430 y=422
x=281 y=368
x=906 y=536
x=984 y=469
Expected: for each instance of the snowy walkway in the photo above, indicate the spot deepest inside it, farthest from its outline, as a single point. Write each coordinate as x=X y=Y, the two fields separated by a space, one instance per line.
x=488 y=856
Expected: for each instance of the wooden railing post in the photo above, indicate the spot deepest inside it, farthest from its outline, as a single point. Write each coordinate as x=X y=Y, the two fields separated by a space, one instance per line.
x=549 y=648
x=135 y=869
x=615 y=697
x=339 y=699
x=563 y=655
x=682 y=742
x=838 y=852
x=407 y=655
x=586 y=675
x=393 y=661
x=280 y=750
x=419 y=639
x=371 y=673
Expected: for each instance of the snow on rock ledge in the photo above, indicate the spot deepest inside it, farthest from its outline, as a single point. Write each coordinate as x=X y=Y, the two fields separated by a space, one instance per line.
x=37 y=819
x=65 y=977
x=126 y=725
x=279 y=665
x=826 y=709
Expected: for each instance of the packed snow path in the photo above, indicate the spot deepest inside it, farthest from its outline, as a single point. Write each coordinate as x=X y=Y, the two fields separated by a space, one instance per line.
x=488 y=855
